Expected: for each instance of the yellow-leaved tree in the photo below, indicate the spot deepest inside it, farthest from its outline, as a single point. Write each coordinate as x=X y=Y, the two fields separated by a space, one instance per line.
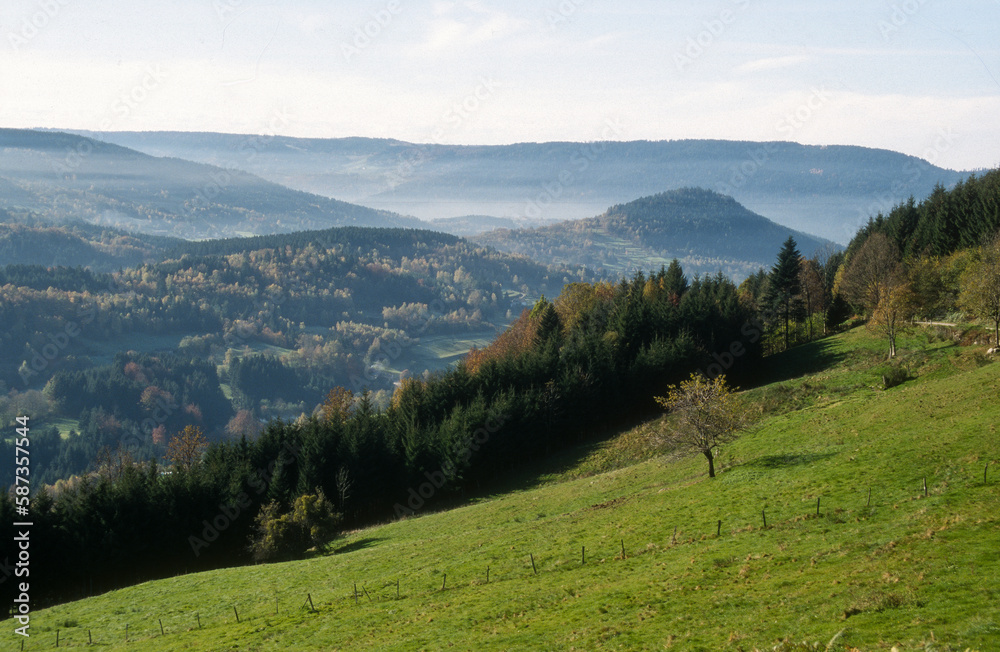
x=708 y=414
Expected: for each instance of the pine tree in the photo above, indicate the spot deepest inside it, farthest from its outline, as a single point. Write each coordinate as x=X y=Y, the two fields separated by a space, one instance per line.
x=674 y=282
x=784 y=286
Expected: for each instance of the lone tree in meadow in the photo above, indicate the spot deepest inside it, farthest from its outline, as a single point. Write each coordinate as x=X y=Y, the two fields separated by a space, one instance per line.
x=708 y=415
x=894 y=307
x=874 y=278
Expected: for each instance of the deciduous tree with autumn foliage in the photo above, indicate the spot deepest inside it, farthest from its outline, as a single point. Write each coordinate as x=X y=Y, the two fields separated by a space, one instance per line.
x=708 y=414
x=186 y=447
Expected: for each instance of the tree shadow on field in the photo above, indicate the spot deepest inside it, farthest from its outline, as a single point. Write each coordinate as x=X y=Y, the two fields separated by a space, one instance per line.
x=798 y=361
x=360 y=544
x=785 y=461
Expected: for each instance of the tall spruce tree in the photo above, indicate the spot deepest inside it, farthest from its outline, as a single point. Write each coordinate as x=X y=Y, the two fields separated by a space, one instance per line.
x=784 y=286
x=674 y=282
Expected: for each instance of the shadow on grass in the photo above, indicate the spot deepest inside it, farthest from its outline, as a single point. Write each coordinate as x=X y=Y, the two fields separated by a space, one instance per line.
x=785 y=461
x=799 y=361
x=354 y=546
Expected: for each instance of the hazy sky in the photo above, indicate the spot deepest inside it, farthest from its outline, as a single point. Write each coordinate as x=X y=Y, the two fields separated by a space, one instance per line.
x=917 y=76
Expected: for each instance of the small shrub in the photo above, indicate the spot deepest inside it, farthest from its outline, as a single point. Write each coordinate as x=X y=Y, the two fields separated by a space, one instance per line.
x=311 y=523
x=894 y=375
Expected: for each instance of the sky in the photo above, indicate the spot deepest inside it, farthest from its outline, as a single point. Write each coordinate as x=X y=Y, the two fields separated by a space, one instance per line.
x=914 y=76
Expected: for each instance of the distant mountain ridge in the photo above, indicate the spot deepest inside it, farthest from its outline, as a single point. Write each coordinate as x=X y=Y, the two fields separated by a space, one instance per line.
x=705 y=230
x=60 y=176
x=827 y=190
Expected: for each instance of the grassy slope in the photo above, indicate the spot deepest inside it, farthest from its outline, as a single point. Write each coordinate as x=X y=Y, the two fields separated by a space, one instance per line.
x=907 y=570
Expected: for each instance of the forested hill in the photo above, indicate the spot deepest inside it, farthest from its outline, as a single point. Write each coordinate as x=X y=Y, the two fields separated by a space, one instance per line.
x=826 y=190
x=231 y=333
x=26 y=239
x=397 y=241
x=61 y=176
x=706 y=231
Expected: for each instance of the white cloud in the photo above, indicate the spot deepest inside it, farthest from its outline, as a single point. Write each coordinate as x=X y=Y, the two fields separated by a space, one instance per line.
x=772 y=63
x=458 y=27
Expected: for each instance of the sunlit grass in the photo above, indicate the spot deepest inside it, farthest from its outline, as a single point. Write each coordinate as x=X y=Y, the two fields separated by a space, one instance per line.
x=904 y=569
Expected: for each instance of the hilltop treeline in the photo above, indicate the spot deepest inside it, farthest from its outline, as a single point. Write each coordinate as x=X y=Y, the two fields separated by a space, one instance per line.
x=563 y=371
x=945 y=222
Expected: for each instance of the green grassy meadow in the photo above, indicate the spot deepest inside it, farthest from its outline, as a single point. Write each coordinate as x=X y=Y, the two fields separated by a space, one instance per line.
x=907 y=570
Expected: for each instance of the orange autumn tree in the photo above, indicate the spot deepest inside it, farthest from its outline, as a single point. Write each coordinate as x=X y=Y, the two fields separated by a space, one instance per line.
x=516 y=339
x=186 y=447
x=337 y=406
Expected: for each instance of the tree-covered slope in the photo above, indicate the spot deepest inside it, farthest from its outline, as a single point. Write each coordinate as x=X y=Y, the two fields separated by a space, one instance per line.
x=944 y=222
x=26 y=239
x=706 y=231
x=894 y=567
